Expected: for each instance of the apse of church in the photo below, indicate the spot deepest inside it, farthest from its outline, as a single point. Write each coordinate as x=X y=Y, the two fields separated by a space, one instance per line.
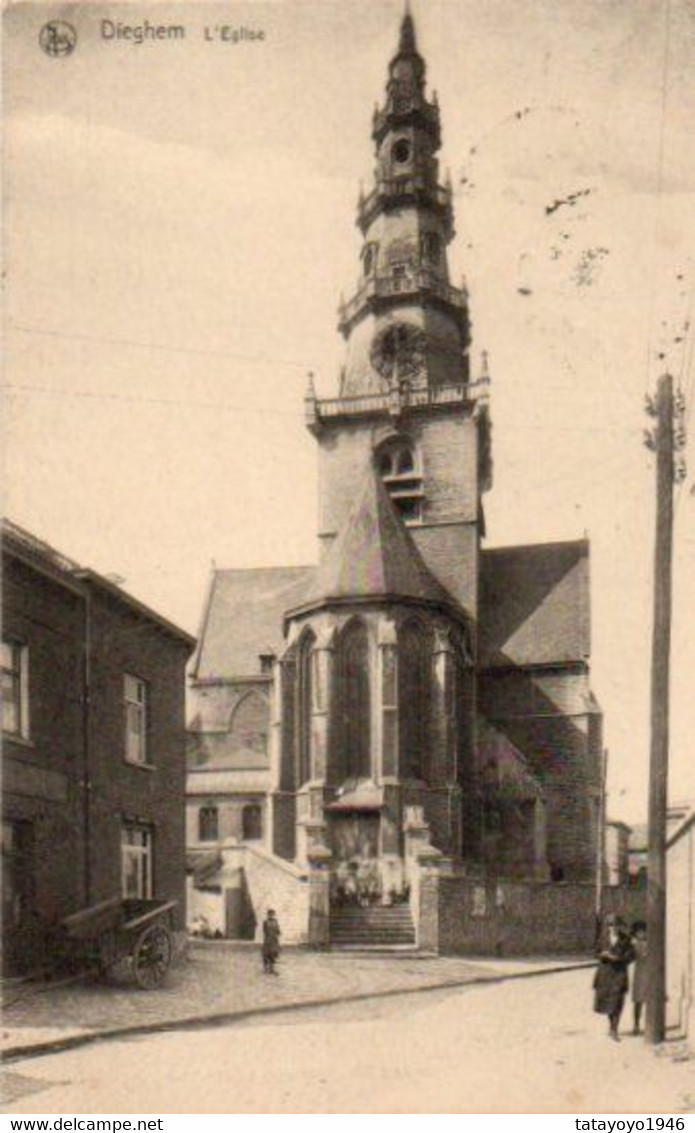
x=428 y=700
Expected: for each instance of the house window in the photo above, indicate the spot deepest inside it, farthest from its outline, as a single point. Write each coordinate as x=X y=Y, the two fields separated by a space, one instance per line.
x=136 y=861
x=208 y=824
x=135 y=696
x=397 y=463
x=17 y=873
x=15 y=689
x=252 y=823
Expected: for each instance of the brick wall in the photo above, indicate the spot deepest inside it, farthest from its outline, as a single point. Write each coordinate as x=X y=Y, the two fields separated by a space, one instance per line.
x=42 y=773
x=514 y=919
x=154 y=794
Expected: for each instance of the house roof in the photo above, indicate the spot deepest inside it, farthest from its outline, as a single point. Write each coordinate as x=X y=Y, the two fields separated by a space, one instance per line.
x=374 y=556
x=46 y=559
x=244 y=618
x=534 y=604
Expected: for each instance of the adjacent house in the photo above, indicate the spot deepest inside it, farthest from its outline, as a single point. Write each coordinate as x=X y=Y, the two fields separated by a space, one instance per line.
x=93 y=745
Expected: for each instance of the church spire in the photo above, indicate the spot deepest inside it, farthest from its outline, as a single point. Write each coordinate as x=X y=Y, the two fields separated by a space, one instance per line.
x=419 y=320
x=407 y=44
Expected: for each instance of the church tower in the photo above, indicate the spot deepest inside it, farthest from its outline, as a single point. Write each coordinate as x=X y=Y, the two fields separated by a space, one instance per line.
x=406 y=399
x=419 y=707
x=376 y=688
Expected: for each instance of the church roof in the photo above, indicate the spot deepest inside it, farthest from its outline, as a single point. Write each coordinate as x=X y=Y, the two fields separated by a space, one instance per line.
x=244 y=618
x=374 y=556
x=534 y=605
x=533 y=608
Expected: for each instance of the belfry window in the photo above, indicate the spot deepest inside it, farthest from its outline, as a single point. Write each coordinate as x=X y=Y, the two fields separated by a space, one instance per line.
x=398 y=466
x=401 y=151
x=369 y=258
x=431 y=247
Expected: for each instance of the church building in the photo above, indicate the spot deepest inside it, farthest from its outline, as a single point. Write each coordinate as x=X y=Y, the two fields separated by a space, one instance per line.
x=416 y=700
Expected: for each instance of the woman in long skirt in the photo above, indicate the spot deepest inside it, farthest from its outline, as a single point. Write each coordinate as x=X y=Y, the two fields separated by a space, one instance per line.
x=611 y=981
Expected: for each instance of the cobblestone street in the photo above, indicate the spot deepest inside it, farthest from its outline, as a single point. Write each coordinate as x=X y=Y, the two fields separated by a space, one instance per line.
x=223 y=978
x=528 y=1045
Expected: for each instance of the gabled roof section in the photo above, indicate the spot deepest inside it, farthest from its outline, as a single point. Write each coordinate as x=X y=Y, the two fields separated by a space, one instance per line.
x=244 y=618
x=43 y=557
x=534 y=605
x=373 y=556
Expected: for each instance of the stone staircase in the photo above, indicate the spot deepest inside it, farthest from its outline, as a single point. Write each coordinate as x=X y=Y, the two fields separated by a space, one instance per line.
x=377 y=926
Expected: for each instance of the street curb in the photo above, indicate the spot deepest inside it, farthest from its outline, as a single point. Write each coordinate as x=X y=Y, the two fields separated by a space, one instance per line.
x=224 y=1018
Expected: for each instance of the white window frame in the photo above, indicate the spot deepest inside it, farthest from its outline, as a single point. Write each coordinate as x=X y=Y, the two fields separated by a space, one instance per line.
x=136 y=703
x=17 y=668
x=137 y=842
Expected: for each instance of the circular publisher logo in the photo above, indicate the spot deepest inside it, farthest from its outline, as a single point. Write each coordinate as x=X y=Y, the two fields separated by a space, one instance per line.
x=58 y=38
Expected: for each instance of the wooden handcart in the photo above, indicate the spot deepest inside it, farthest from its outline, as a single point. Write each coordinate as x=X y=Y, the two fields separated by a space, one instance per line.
x=121 y=929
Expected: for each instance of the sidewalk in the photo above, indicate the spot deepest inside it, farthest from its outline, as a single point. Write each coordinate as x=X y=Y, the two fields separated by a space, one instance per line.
x=221 y=982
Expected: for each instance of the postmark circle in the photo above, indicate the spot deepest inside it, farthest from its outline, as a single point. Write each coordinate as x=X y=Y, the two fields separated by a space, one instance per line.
x=57 y=39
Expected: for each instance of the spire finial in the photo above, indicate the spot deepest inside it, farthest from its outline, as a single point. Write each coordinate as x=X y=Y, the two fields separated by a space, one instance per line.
x=407 y=44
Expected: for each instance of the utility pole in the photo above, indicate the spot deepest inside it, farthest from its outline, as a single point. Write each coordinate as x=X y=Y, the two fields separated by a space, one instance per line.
x=667 y=435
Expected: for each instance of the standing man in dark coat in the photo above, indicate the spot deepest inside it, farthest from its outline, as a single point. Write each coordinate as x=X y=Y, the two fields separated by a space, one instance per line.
x=611 y=981
x=271 y=942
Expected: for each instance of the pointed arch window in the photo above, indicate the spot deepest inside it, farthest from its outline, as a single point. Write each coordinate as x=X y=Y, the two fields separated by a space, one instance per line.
x=414 y=699
x=354 y=701
x=305 y=704
x=249 y=726
x=397 y=461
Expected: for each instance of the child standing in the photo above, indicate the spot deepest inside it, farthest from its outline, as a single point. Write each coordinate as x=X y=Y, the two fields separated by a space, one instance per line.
x=639 y=972
x=271 y=942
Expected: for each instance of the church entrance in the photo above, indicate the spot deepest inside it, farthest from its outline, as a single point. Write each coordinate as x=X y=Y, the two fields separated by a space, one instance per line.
x=354 y=839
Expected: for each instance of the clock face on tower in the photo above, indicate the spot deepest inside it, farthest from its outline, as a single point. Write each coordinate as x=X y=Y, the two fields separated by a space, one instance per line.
x=398 y=352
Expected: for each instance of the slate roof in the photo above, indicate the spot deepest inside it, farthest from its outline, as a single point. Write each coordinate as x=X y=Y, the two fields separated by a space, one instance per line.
x=244 y=618
x=533 y=607
x=374 y=556
x=534 y=604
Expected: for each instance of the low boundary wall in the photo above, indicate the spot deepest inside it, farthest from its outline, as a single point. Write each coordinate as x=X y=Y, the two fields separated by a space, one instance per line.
x=461 y=916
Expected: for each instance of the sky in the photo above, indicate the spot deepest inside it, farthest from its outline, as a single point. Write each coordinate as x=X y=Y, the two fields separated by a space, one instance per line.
x=179 y=226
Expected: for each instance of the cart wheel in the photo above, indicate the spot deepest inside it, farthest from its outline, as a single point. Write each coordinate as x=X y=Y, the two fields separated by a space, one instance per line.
x=152 y=956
